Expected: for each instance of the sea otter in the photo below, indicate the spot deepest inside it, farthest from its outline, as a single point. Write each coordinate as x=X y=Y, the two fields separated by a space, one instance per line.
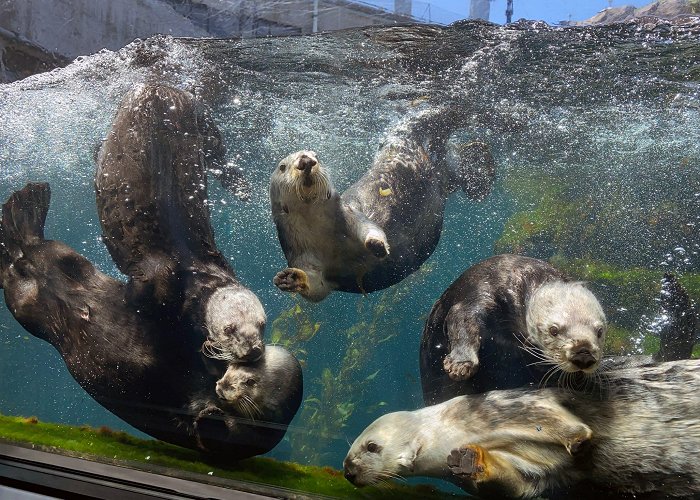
x=640 y=437
x=145 y=368
x=505 y=322
x=388 y=223
x=151 y=190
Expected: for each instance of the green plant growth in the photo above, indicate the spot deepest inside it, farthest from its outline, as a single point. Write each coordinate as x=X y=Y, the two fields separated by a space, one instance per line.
x=549 y=219
x=119 y=448
x=636 y=280
x=292 y=329
x=694 y=6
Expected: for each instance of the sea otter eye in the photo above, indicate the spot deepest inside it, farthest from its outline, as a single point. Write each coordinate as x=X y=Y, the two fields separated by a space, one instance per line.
x=282 y=167
x=250 y=382
x=554 y=330
x=372 y=447
x=599 y=332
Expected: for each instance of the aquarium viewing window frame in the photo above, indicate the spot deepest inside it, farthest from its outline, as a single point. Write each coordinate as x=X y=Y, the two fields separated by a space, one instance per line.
x=61 y=476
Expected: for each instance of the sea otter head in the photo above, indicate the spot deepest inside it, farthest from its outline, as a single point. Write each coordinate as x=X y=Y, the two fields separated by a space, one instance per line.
x=566 y=322
x=386 y=449
x=300 y=177
x=234 y=321
x=271 y=382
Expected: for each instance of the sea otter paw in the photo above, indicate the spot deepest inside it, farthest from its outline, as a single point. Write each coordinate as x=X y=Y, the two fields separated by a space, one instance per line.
x=579 y=440
x=376 y=244
x=291 y=279
x=468 y=462
x=459 y=369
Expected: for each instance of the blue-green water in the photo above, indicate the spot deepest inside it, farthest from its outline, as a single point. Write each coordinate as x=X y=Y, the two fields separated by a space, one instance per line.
x=594 y=131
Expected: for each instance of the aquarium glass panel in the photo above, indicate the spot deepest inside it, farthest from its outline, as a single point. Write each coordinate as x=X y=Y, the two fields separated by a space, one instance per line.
x=224 y=258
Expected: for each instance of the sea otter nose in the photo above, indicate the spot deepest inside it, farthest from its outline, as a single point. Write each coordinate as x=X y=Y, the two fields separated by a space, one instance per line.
x=306 y=162
x=255 y=352
x=583 y=358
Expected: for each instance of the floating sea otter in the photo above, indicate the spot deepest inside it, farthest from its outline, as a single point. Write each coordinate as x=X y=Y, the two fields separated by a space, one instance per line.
x=504 y=323
x=151 y=188
x=510 y=321
x=639 y=438
x=146 y=369
x=388 y=223
x=137 y=347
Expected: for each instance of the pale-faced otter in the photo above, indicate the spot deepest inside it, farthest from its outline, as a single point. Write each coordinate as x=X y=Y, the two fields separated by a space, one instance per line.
x=146 y=368
x=151 y=189
x=640 y=437
x=509 y=321
x=383 y=227
x=267 y=386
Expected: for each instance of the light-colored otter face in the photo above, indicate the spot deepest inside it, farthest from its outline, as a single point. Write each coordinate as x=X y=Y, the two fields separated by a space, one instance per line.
x=235 y=322
x=567 y=323
x=387 y=449
x=301 y=177
x=256 y=388
x=242 y=386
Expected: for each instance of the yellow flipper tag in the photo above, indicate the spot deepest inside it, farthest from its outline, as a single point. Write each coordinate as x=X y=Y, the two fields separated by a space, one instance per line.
x=385 y=191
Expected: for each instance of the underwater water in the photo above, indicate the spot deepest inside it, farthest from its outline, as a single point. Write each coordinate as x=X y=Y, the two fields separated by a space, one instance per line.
x=595 y=135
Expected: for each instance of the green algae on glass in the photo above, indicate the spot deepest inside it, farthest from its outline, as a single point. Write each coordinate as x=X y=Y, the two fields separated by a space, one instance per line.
x=119 y=448
x=636 y=280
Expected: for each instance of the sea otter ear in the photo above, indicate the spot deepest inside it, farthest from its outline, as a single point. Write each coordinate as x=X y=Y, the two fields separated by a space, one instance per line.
x=408 y=457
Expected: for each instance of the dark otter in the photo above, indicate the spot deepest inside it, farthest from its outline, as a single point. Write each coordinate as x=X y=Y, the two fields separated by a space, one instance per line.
x=151 y=189
x=510 y=321
x=388 y=223
x=504 y=323
x=640 y=438
x=146 y=369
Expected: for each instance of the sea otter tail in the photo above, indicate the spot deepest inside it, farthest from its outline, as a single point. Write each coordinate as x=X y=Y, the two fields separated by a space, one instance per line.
x=22 y=223
x=473 y=168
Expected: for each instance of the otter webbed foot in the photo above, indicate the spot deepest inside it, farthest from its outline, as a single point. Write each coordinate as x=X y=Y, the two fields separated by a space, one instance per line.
x=460 y=366
x=292 y=279
x=468 y=462
x=376 y=244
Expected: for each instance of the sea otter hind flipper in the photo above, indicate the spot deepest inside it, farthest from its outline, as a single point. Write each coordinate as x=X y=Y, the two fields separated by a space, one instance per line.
x=678 y=336
x=22 y=223
x=24 y=213
x=474 y=168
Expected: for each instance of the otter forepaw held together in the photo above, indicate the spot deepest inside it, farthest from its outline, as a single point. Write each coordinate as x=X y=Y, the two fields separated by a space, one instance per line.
x=460 y=367
x=579 y=440
x=291 y=279
x=468 y=462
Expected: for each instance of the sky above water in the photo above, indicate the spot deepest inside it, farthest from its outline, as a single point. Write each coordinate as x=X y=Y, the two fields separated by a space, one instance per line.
x=551 y=11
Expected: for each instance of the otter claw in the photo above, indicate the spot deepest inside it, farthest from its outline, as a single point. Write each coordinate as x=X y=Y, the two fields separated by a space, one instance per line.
x=291 y=280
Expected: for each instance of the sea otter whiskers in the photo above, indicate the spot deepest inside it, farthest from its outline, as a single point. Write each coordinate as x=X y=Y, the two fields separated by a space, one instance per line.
x=388 y=223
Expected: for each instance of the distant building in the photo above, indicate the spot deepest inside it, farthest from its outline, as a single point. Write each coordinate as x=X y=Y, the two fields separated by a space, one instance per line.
x=480 y=9
x=36 y=35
